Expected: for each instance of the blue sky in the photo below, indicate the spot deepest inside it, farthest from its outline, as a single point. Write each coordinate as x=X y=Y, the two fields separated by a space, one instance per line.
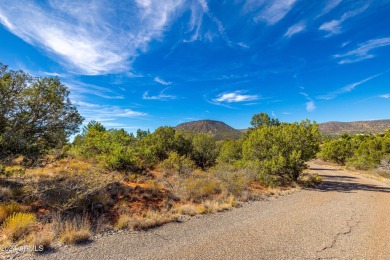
x=144 y=63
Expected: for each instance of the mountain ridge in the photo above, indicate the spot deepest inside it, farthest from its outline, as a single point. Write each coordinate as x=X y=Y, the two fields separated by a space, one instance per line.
x=221 y=130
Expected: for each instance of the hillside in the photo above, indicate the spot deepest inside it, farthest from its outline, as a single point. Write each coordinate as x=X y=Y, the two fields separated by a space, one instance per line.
x=356 y=127
x=217 y=129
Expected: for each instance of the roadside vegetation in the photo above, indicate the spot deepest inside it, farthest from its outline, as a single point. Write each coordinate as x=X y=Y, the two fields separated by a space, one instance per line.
x=363 y=152
x=53 y=191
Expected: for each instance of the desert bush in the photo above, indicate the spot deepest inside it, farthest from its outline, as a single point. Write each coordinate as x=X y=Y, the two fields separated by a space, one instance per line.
x=205 y=150
x=234 y=179
x=337 y=151
x=281 y=150
x=368 y=155
x=360 y=151
x=230 y=152
x=177 y=164
x=114 y=148
x=18 y=225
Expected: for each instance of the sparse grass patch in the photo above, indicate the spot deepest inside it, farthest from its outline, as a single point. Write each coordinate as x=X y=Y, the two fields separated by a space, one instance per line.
x=75 y=231
x=18 y=225
x=42 y=239
x=123 y=222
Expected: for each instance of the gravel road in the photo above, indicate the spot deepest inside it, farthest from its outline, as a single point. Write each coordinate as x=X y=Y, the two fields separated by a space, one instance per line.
x=346 y=217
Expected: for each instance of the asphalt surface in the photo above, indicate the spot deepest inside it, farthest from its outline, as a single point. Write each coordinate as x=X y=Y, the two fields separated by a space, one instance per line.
x=346 y=217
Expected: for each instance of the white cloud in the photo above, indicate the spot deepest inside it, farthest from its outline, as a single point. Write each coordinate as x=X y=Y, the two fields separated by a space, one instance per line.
x=275 y=11
x=310 y=106
x=347 y=88
x=363 y=51
x=294 y=29
x=89 y=42
x=385 y=96
x=335 y=26
x=161 y=96
x=234 y=97
x=162 y=82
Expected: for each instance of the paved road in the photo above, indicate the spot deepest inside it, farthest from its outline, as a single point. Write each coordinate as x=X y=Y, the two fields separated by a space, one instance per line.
x=346 y=217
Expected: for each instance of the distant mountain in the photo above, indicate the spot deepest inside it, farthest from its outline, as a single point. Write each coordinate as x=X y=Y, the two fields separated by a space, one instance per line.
x=217 y=129
x=220 y=130
x=356 y=127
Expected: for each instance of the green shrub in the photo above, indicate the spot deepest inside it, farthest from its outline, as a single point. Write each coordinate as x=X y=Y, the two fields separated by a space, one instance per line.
x=177 y=164
x=280 y=151
x=205 y=150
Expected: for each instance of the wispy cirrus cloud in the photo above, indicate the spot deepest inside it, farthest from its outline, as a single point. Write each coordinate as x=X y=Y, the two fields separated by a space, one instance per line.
x=329 y=7
x=83 y=40
x=363 y=51
x=106 y=114
x=385 y=96
x=162 y=82
x=294 y=29
x=274 y=11
x=335 y=26
x=79 y=88
x=235 y=97
x=348 y=88
x=199 y=10
x=161 y=96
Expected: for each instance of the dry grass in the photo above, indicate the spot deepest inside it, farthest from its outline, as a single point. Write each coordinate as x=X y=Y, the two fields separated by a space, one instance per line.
x=153 y=219
x=123 y=222
x=42 y=239
x=310 y=179
x=200 y=187
x=75 y=231
x=7 y=210
x=5 y=193
x=188 y=209
x=18 y=225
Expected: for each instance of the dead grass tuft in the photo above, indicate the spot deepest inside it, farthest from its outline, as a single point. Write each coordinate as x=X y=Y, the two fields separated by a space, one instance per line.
x=75 y=231
x=153 y=219
x=188 y=209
